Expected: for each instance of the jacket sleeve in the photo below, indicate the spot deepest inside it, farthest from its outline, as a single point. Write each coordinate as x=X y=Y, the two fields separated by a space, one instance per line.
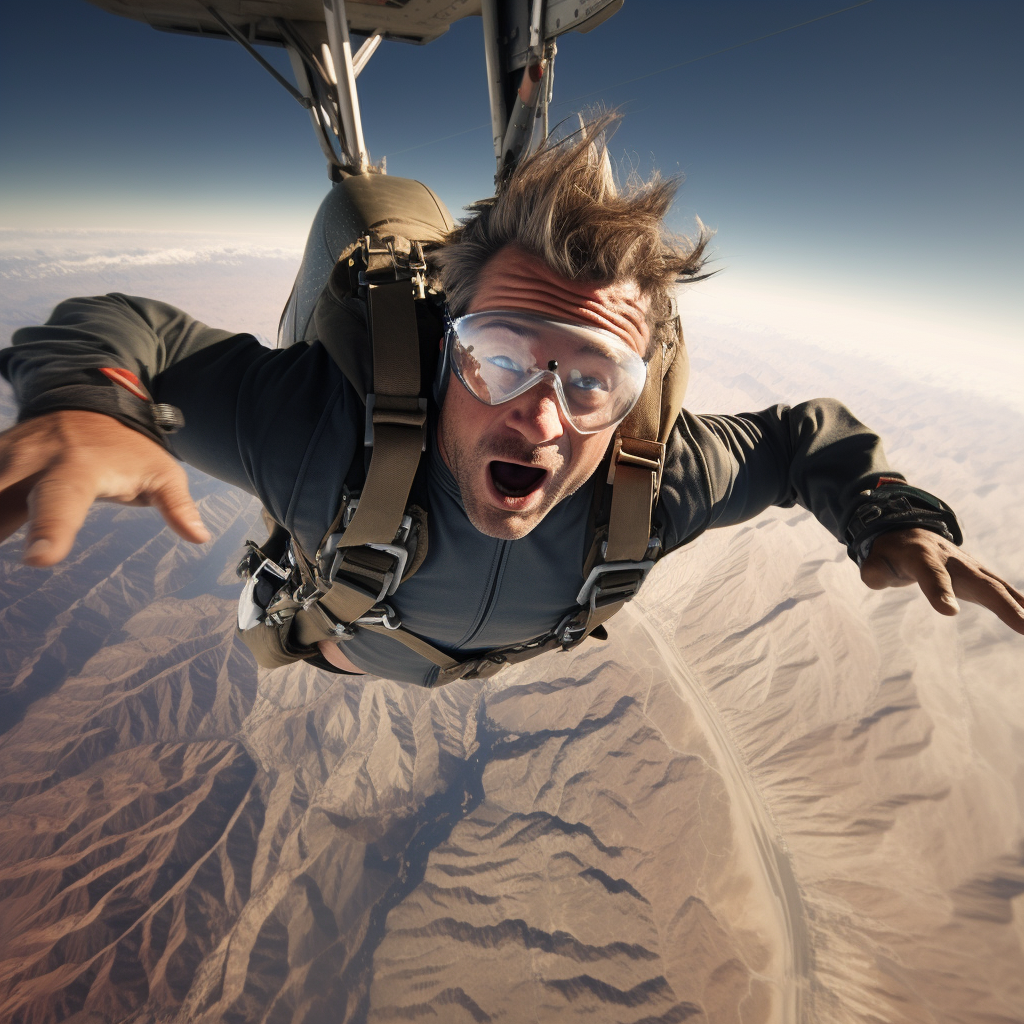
x=722 y=470
x=254 y=417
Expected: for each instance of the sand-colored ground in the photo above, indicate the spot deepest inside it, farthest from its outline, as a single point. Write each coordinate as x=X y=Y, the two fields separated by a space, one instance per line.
x=773 y=795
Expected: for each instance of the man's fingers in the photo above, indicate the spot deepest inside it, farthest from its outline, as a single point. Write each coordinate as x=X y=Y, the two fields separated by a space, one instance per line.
x=1011 y=590
x=57 y=507
x=12 y=519
x=19 y=459
x=73 y=458
x=980 y=586
x=879 y=573
x=171 y=497
x=14 y=507
x=935 y=582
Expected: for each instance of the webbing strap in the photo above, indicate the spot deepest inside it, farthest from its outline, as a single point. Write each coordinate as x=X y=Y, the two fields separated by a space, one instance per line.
x=477 y=667
x=637 y=463
x=398 y=421
x=415 y=643
x=396 y=349
x=629 y=527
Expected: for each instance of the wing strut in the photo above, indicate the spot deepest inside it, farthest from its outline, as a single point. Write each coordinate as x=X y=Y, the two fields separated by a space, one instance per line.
x=348 y=99
x=251 y=50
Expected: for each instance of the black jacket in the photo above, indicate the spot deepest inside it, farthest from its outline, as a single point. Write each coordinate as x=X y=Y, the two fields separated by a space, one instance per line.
x=285 y=425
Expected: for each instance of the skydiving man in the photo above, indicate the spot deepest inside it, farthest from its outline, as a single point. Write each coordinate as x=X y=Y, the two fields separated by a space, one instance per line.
x=559 y=311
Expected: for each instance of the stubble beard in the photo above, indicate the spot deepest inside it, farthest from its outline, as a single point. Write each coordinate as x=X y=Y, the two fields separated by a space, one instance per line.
x=466 y=460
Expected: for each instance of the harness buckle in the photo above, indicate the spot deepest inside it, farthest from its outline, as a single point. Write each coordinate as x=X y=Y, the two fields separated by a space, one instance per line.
x=382 y=615
x=373 y=576
x=391 y=576
x=404 y=412
x=613 y=581
x=250 y=562
x=607 y=583
x=570 y=631
x=637 y=453
x=394 y=259
x=307 y=594
x=260 y=589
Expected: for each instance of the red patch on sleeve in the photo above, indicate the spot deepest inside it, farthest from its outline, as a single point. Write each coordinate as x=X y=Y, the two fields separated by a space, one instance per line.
x=127 y=380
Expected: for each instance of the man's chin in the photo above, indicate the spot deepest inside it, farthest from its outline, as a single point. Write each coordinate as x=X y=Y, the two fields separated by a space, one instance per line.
x=501 y=524
x=508 y=515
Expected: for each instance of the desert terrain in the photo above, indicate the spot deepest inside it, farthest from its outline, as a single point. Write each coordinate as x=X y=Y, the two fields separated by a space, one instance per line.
x=771 y=795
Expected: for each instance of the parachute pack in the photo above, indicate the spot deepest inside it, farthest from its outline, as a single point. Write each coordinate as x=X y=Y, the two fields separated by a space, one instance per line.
x=363 y=293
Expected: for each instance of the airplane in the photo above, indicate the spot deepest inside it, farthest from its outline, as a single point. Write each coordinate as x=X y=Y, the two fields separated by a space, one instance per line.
x=519 y=47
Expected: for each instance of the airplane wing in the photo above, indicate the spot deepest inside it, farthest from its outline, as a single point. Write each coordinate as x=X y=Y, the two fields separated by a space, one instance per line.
x=411 y=21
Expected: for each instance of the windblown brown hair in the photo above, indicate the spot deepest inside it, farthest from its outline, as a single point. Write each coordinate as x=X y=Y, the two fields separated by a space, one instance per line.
x=564 y=206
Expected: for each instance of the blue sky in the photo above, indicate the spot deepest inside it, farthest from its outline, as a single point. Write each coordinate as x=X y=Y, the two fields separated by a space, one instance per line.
x=876 y=153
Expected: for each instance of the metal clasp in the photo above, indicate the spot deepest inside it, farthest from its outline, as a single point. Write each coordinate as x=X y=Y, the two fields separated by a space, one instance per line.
x=331 y=544
x=252 y=608
x=307 y=594
x=382 y=615
x=392 y=576
x=570 y=631
x=397 y=550
x=625 y=578
x=608 y=582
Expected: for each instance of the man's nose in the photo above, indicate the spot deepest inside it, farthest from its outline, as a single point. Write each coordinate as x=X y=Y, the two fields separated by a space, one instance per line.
x=536 y=414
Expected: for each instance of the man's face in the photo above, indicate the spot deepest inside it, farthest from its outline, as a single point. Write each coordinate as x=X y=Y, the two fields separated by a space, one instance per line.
x=515 y=461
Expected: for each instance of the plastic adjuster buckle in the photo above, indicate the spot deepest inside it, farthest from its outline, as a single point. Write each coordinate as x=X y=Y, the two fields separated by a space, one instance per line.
x=376 y=414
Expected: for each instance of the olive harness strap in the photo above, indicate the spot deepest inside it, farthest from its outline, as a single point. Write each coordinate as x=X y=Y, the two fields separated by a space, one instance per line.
x=368 y=562
x=396 y=424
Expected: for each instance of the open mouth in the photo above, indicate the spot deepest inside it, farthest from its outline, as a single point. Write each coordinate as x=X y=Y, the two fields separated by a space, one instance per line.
x=515 y=481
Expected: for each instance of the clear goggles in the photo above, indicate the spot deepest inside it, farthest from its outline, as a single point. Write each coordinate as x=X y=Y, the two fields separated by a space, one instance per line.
x=500 y=354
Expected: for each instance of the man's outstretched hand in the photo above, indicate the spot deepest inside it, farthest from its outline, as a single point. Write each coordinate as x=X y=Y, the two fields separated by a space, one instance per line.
x=53 y=467
x=943 y=571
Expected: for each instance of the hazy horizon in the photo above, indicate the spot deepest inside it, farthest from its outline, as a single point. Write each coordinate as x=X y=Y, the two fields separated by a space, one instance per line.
x=873 y=157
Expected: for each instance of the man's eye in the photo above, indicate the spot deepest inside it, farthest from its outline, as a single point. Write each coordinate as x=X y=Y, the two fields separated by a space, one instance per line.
x=584 y=383
x=505 y=363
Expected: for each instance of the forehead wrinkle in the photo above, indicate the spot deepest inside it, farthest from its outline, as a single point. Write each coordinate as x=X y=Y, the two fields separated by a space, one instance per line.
x=623 y=315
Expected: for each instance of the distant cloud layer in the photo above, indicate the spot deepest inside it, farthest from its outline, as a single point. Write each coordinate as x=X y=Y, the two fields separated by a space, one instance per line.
x=236 y=282
x=33 y=255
